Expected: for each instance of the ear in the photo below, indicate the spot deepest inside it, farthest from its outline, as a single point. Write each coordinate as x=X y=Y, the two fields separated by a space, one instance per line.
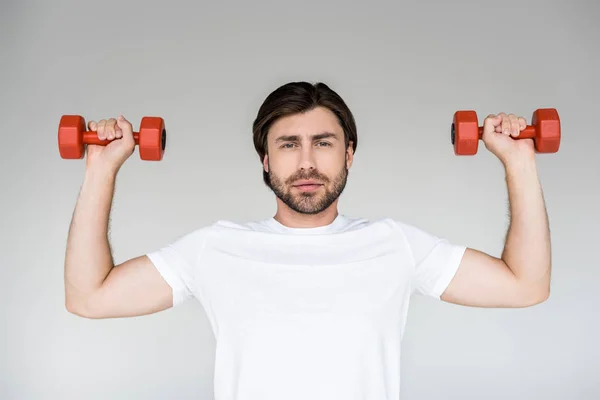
x=266 y=163
x=349 y=155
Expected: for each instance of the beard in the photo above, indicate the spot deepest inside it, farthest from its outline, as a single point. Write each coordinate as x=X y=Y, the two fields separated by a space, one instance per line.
x=308 y=202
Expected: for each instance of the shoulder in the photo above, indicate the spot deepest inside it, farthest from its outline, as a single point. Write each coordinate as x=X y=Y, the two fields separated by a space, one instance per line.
x=409 y=230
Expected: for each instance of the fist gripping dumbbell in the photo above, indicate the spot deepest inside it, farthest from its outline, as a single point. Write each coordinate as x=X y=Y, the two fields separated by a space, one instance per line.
x=544 y=130
x=72 y=138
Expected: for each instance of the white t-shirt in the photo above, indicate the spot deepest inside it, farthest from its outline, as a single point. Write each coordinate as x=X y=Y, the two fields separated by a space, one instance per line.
x=307 y=313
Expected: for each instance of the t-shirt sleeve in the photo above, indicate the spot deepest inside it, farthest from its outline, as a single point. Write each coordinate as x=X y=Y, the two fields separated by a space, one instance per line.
x=436 y=260
x=177 y=263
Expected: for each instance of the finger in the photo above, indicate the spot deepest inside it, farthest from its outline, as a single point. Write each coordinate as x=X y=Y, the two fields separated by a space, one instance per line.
x=92 y=126
x=499 y=120
x=100 y=129
x=110 y=128
x=514 y=125
x=522 y=123
x=125 y=128
x=491 y=123
x=118 y=130
x=505 y=124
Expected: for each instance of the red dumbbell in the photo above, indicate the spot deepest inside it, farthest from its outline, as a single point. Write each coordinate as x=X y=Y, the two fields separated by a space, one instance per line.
x=544 y=130
x=72 y=138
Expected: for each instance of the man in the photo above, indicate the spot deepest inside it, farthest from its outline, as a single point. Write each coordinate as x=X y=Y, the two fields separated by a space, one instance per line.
x=308 y=304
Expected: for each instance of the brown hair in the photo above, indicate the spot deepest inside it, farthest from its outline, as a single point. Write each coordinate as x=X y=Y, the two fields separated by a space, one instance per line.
x=300 y=97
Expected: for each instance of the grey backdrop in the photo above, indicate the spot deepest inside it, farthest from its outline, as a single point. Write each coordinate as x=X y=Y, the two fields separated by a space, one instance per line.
x=403 y=67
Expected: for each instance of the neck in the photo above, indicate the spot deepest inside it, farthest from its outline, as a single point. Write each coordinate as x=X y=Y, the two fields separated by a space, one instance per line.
x=293 y=219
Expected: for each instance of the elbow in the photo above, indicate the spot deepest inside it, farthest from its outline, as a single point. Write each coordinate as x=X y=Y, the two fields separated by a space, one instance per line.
x=545 y=295
x=78 y=307
x=539 y=299
x=537 y=295
x=72 y=302
x=75 y=308
x=533 y=291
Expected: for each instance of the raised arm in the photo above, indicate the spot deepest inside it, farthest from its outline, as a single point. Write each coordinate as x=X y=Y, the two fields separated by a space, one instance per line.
x=94 y=286
x=520 y=277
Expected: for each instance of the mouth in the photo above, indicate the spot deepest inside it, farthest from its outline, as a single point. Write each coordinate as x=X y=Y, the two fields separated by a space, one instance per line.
x=307 y=185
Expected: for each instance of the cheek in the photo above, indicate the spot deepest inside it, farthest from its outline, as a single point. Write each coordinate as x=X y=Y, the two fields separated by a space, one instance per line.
x=331 y=164
x=281 y=167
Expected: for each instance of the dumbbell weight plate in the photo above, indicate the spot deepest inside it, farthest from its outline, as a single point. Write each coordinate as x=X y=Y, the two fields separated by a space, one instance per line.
x=70 y=140
x=464 y=132
x=152 y=138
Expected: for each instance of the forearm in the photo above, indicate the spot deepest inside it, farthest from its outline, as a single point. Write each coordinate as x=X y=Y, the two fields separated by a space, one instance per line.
x=88 y=257
x=527 y=251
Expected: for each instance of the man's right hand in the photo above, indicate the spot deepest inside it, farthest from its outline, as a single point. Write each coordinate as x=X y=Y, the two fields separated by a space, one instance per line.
x=112 y=156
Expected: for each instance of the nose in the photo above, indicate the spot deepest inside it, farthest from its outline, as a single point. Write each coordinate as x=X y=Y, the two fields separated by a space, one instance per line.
x=307 y=158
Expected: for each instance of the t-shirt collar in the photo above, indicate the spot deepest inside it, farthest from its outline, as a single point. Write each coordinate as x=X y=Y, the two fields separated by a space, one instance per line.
x=335 y=226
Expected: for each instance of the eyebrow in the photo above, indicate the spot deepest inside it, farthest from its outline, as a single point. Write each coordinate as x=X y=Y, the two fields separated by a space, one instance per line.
x=293 y=138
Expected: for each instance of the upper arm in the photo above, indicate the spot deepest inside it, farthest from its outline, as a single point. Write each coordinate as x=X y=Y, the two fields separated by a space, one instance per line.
x=132 y=288
x=457 y=274
x=149 y=283
x=482 y=280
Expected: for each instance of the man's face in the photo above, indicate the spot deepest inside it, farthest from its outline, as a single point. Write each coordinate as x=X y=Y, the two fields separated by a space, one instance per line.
x=307 y=160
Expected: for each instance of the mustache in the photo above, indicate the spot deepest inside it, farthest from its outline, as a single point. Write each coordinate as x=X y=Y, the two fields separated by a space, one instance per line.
x=314 y=174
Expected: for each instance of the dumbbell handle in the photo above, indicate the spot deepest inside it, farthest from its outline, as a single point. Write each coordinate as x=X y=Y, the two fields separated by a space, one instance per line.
x=91 y=137
x=528 y=133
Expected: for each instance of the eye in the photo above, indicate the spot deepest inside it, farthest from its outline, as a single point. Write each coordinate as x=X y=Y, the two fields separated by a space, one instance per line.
x=286 y=146
x=324 y=144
